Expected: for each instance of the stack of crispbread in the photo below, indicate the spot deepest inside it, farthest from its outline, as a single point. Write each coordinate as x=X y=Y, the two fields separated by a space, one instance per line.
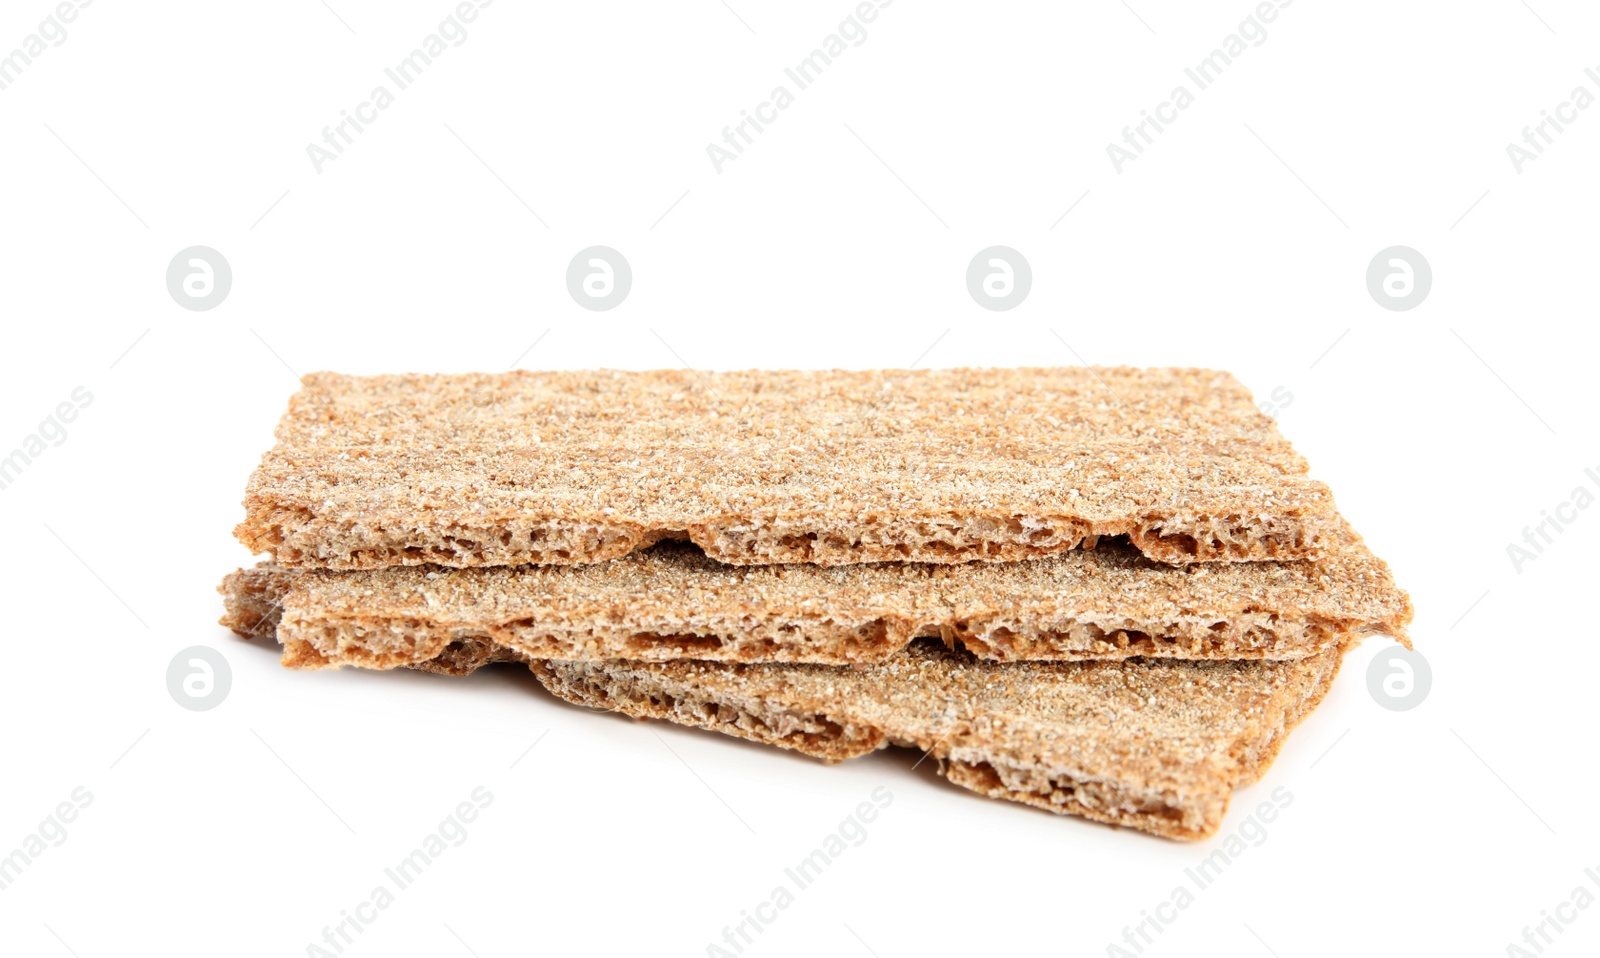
x=1103 y=592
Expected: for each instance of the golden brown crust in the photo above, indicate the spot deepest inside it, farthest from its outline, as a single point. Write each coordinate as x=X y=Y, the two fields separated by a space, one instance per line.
x=828 y=467
x=1149 y=744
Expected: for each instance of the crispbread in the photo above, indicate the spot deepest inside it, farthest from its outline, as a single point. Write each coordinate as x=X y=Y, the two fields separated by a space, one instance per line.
x=828 y=467
x=671 y=602
x=1152 y=744
x=1156 y=745
x=253 y=607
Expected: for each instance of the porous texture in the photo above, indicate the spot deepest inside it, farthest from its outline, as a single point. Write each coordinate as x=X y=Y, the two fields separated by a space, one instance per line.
x=461 y=657
x=1154 y=745
x=671 y=602
x=253 y=599
x=760 y=467
x=253 y=608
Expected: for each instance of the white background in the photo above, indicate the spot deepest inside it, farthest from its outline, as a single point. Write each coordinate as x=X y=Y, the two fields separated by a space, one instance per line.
x=1443 y=431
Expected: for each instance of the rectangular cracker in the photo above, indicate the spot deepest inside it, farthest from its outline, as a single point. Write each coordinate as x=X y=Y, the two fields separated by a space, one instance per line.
x=1155 y=745
x=1152 y=744
x=671 y=602
x=830 y=467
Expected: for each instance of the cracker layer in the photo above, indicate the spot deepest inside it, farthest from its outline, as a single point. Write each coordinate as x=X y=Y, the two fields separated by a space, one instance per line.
x=1150 y=744
x=1154 y=745
x=758 y=467
x=672 y=602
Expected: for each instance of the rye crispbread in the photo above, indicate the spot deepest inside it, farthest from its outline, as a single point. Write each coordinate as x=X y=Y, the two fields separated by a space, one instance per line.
x=828 y=467
x=1151 y=744
x=253 y=607
x=671 y=602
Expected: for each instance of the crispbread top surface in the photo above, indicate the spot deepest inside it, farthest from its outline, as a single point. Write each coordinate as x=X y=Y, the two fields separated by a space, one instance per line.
x=1176 y=727
x=673 y=450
